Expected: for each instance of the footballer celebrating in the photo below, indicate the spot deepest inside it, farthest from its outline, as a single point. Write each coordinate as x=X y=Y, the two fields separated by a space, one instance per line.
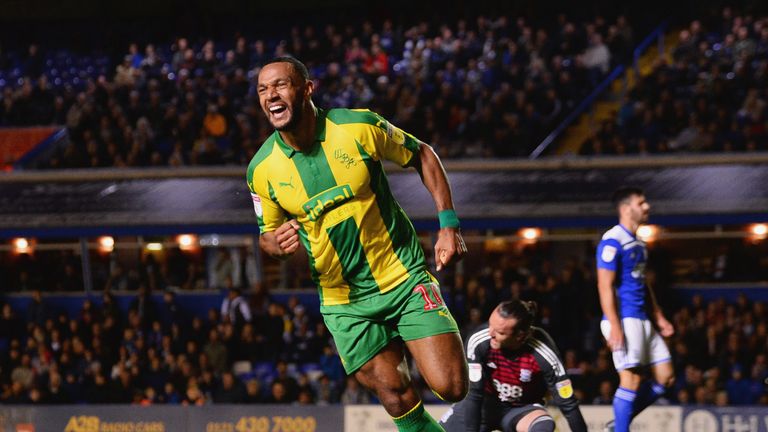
x=318 y=181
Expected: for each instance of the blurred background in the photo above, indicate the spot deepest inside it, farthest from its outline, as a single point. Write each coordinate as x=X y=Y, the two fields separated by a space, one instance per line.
x=126 y=229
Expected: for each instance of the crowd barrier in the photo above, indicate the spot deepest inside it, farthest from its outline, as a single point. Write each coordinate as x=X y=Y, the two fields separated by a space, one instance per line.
x=354 y=418
x=210 y=418
x=197 y=303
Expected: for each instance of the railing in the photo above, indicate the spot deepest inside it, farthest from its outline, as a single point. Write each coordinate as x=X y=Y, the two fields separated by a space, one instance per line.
x=586 y=103
x=657 y=33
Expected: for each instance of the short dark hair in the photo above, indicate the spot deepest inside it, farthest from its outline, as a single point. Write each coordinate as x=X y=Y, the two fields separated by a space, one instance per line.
x=622 y=194
x=298 y=66
x=522 y=311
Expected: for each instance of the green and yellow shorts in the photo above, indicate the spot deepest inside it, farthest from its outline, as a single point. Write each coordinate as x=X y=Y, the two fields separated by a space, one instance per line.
x=414 y=310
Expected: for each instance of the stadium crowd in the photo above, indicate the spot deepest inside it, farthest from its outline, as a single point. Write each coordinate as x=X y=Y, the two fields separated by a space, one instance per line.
x=158 y=354
x=255 y=349
x=712 y=96
x=481 y=87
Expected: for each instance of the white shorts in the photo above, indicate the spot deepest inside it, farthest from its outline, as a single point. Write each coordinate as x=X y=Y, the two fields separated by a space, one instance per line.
x=642 y=344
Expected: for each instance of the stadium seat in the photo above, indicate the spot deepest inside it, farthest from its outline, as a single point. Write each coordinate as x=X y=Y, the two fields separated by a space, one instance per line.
x=242 y=367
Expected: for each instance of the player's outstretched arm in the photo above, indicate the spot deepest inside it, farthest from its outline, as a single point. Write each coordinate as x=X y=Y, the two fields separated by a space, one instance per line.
x=558 y=382
x=450 y=245
x=282 y=242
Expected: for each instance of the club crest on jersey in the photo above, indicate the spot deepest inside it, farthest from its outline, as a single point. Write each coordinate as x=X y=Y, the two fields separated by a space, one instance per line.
x=526 y=375
x=609 y=252
x=326 y=200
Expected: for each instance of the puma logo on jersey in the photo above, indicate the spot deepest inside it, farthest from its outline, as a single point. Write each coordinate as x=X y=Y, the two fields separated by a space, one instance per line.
x=443 y=313
x=491 y=365
x=289 y=183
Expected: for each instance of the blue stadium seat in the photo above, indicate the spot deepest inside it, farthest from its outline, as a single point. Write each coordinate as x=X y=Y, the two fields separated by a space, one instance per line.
x=313 y=371
x=264 y=371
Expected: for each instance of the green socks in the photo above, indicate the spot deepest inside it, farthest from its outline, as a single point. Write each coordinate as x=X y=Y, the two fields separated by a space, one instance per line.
x=417 y=420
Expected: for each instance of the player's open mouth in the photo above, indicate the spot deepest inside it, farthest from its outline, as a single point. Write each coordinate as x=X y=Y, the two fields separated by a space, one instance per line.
x=277 y=111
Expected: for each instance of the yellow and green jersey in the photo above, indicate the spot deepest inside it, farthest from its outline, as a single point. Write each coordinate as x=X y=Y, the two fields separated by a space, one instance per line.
x=359 y=240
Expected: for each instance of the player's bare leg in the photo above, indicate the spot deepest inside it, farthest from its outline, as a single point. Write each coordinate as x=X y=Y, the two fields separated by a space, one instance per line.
x=392 y=385
x=651 y=390
x=664 y=374
x=630 y=379
x=441 y=361
x=535 y=421
x=386 y=374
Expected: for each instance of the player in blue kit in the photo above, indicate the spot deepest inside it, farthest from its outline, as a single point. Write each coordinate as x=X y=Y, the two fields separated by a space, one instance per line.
x=633 y=324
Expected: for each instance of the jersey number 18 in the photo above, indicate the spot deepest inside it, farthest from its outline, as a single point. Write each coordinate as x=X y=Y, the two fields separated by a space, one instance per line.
x=508 y=392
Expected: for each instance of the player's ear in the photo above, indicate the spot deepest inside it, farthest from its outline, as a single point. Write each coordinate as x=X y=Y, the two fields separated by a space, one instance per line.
x=309 y=88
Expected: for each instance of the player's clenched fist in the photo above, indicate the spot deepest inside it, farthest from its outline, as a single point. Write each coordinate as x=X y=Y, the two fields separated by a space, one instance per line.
x=287 y=236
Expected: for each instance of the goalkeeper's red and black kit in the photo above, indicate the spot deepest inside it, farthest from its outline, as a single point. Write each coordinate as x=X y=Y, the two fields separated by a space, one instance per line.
x=506 y=385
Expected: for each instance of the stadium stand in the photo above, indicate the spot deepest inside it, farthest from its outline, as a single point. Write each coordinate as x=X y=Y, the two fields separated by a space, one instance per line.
x=708 y=95
x=150 y=350
x=488 y=87
x=153 y=352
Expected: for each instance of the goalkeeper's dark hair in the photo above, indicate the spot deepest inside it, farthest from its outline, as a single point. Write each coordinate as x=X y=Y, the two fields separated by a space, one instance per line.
x=298 y=66
x=624 y=193
x=522 y=311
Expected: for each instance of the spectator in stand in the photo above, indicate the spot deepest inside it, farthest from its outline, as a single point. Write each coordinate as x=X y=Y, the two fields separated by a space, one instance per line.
x=354 y=393
x=144 y=307
x=216 y=352
x=37 y=312
x=278 y=394
x=605 y=394
x=230 y=390
x=253 y=393
x=214 y=123
x=326 y=391
x=597 y=58
x=290 y=386
x=235 y=310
